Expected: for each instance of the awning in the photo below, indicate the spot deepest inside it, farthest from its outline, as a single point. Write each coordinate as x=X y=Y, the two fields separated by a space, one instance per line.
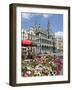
x=27 y=43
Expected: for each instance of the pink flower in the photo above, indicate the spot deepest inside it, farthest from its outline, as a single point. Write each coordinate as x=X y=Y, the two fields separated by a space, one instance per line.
x=59 y=65
x=56 y=71
x=39 y=61
x=27 y=73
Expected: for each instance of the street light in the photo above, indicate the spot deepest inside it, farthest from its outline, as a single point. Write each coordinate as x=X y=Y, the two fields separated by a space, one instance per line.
x=53 y=44
x=40 y=44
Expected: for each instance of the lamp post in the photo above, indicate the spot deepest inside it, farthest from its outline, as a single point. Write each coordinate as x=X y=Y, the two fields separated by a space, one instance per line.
x=40 y=44
x=53 y=44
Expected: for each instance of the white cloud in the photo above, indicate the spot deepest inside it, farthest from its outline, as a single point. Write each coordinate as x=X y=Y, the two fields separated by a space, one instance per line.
x=29 y=15
x=45 y=15
x=26 y=15
x=59 y=34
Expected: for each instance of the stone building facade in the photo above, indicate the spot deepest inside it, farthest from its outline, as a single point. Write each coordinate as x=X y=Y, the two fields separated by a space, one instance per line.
x=43 y=38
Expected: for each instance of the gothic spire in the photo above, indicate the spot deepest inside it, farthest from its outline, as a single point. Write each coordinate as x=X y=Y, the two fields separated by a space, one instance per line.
x=49 y=29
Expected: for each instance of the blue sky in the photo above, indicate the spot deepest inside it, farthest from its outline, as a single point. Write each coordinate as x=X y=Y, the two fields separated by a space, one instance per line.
x=29 y=19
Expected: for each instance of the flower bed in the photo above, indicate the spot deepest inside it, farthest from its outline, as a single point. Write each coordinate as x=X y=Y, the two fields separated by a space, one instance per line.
x=42 y=66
